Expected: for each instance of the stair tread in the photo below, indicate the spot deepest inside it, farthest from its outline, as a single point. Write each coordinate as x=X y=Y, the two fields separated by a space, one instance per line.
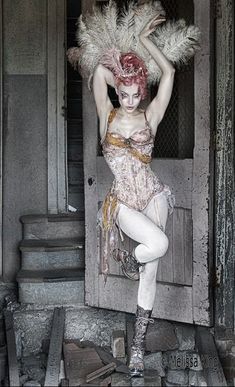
x=51 y=275
x=52 y=244
x=42 y=218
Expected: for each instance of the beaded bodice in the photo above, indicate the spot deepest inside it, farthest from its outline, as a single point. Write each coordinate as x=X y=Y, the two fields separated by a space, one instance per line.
x=129 y=160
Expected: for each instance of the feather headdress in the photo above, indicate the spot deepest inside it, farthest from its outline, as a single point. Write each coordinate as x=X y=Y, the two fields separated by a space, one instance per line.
x=105 y=34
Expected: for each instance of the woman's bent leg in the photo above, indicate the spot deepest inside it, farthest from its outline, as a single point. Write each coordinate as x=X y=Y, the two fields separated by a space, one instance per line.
x=139 y=227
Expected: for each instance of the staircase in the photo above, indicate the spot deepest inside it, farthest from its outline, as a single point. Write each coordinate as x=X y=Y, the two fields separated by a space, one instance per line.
x=52 y=260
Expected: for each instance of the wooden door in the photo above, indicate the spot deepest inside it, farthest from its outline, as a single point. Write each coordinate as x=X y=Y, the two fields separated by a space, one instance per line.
x=183 y=292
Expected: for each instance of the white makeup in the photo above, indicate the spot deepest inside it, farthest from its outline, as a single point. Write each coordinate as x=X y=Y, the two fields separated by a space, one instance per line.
x=129 y=97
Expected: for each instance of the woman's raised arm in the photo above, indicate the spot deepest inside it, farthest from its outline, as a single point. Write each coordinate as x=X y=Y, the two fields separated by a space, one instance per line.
x=102 y=77
x=156 y=109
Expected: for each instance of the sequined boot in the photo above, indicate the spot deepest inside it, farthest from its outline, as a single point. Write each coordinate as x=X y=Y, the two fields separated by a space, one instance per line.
x=130 y=266
x=136 y=363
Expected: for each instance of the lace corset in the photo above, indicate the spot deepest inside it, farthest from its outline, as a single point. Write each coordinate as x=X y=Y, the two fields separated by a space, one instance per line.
x=129 y=160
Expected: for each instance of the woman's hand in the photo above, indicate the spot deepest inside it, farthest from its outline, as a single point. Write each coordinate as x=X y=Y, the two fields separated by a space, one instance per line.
x=151 y=25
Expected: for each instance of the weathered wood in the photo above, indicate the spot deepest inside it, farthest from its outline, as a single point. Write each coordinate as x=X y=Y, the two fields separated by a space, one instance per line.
x=55 y=348
x=13 y=369
x=202 y=172
x=100 y=372
x=212 y=368
x=224 y=160
x=79 y=362
x=179 y=245
x=104 y=355
x=173 y=302
x=90 y=187
x=165 y=269
x=1 y=128
x=57 y=153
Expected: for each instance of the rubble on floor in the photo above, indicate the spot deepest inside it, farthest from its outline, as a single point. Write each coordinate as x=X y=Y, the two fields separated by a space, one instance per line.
x=91 y=348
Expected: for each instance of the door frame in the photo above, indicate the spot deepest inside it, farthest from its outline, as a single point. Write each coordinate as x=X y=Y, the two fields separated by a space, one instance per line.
x=57 y=133
x=203 y=168
x=1 y=134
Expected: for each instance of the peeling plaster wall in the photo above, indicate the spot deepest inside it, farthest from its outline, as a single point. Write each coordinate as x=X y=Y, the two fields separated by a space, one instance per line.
x=24 y=121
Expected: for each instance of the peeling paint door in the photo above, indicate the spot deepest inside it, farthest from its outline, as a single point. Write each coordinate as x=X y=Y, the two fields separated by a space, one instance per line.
x=183 y=292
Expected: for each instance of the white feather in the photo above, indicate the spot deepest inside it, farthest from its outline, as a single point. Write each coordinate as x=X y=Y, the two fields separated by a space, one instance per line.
x=101 y=31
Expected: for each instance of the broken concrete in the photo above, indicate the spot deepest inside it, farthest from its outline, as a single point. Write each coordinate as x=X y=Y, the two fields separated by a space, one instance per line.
x=179 y=377
x=161 y=337
x=83 y=323
x=155 y=361
x=186 y=337
x=120 y=380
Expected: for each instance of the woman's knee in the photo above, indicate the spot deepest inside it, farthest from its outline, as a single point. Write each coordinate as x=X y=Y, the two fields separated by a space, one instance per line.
x=159 y=246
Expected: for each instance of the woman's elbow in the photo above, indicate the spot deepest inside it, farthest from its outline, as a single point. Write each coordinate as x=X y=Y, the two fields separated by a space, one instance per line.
x=169 y=72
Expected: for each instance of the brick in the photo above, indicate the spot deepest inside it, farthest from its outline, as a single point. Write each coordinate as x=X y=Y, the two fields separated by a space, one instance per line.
x=152 y=378
x=161 y=337
x=118 y=344
x=178 y=377
x=32 y=383
x=119 y=379
x=197 y=379
x=186 y=337
x=155 y=361
x=180 y=360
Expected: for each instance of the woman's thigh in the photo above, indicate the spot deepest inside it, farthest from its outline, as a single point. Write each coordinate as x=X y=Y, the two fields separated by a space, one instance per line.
x=157 y=210
x=137 y=225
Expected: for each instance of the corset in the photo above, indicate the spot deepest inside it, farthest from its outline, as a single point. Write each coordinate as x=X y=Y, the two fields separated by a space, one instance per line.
x=129 y=160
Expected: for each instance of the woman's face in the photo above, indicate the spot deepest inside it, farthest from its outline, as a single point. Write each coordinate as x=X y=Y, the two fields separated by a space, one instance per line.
x=129 y=97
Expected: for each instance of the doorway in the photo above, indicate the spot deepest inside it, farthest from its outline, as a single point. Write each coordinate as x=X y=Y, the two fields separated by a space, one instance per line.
x=74 y=118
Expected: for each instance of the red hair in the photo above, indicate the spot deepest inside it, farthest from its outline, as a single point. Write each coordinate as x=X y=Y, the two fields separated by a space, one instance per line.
x=134 y=70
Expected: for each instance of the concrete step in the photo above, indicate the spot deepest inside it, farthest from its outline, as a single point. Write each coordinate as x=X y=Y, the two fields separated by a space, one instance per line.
x=50 y=226
x=51 y=287
x=50 y=254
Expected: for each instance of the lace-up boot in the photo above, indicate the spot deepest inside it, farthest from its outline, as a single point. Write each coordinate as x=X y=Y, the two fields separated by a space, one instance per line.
x=130 y=266
x=136 y=363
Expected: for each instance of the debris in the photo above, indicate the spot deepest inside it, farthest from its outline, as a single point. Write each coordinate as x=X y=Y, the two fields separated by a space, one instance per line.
x=213 y=372
x=79 y=362
x=120 y=380
x=14 y=379
x=100 y=372
x=118 y=344
x=104 y=355
x=155 y=361
x=11 y=302
x=55 y=349
x=32 y=383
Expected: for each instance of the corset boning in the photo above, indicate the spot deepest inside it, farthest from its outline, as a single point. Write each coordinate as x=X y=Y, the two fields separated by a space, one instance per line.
x=135 y=183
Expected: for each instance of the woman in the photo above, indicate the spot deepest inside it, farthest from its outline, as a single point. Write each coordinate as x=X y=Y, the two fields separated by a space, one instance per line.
x=138 y=202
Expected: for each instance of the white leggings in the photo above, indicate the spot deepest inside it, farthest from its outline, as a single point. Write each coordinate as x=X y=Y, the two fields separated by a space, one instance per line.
x=146 y=228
